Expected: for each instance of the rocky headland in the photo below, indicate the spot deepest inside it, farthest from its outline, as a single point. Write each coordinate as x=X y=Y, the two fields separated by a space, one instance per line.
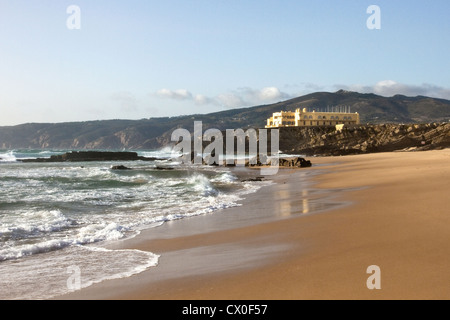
x=358 y=139
x=314 y=141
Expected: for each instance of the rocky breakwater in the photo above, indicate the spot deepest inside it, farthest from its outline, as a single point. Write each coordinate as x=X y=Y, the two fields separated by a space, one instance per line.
x=258 y=161
x=358 y=139
x=83 y=156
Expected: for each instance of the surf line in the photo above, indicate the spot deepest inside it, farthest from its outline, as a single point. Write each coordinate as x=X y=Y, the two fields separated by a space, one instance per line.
x=212 y=153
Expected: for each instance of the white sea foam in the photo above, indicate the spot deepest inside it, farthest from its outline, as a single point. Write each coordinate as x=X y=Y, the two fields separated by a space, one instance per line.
x=163 y=153
x=100 y=232
x=33 y=222
x=202 y=184
x=20 y=251
x=89 y=234
x=146 y=260
x=68 y=270
x=53 y=210
x=8 y=157
x=225 y=177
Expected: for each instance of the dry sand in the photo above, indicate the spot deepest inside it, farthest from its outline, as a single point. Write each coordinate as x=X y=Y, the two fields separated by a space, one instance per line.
x=389 y=209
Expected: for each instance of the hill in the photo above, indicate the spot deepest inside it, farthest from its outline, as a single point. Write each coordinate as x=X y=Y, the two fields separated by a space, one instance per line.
x=153 y=133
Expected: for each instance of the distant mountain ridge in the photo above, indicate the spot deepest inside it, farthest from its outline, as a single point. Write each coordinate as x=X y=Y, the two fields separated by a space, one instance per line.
x=146 y=134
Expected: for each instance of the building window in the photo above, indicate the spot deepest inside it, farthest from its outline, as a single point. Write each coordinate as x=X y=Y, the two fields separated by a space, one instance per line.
x=332 y=117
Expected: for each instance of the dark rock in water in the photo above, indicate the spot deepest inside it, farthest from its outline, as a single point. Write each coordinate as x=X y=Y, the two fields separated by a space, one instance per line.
x=258 y=161
x=164 y=168
x=81 y=156
x=303 y=163
x=294 y=162
x=257 y=179
x=120 y=167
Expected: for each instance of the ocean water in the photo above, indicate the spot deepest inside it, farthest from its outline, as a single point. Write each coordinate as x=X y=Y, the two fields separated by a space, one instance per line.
x=56 y=217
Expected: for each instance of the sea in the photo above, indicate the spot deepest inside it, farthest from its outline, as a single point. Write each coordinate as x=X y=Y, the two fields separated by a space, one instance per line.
x=55 y=218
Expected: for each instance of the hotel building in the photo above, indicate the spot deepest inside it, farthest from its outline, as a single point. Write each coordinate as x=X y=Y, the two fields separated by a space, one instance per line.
x=305 y=118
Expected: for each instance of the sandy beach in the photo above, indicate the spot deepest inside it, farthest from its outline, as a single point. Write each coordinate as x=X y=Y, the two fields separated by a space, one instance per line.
x=318 y=230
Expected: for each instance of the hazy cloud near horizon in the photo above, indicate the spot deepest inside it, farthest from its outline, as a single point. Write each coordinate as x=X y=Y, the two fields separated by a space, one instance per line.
x=126 y=101
x=245 y=97
x=239 y=97
x=389 y=88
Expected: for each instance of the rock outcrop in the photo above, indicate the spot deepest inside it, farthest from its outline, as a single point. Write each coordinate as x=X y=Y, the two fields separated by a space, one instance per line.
x=120 y=167
x=312 y=141
x=82 y=156
x=257 y=161
x=294 y=162
x=364 y=139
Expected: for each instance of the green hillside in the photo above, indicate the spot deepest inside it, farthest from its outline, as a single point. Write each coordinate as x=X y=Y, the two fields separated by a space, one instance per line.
x=155 y=132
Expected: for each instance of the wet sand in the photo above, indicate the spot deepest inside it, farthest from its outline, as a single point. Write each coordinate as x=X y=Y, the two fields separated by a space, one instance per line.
x=387 y=209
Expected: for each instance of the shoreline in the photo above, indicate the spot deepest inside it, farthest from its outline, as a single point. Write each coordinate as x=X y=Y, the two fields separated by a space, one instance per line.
x=200 y=238
x=314 y=256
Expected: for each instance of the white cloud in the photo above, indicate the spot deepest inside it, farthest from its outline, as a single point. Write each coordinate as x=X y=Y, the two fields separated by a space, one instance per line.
x=201 y=100
x=240 y=97
x=180 y=94
x=271 y=94
x=389 y=88
x=230 y=100
x=249 y=96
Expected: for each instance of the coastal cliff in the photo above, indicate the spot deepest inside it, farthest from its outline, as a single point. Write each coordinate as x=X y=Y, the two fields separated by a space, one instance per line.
x=324 y=141
x=364 y=139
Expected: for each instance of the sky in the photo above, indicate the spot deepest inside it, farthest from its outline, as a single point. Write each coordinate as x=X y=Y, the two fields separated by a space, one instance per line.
x=84 y=60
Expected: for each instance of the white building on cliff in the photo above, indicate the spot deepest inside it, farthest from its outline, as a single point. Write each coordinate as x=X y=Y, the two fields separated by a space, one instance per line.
x=305 y=118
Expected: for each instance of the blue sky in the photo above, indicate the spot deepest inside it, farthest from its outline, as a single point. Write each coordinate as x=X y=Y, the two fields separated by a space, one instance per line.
x=140 y=59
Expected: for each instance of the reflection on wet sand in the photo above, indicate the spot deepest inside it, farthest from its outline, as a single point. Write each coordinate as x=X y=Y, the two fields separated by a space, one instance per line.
x=305 y=201
x=288 y=202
